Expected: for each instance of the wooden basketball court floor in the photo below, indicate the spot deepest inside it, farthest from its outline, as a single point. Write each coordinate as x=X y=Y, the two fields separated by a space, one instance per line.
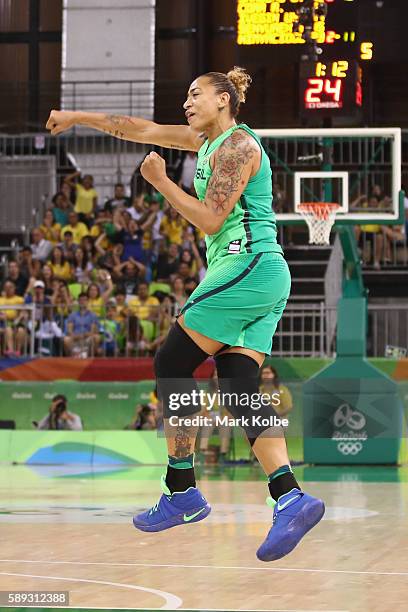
x=63 y=528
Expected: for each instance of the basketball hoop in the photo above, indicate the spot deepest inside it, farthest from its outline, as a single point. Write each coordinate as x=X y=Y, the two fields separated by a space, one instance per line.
x=320 y=217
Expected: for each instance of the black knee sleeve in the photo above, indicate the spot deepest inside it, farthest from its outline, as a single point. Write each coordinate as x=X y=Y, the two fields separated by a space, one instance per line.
x=174 y=365
x=238 y=379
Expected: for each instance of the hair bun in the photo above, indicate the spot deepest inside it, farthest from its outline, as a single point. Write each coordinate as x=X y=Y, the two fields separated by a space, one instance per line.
x=241 y=81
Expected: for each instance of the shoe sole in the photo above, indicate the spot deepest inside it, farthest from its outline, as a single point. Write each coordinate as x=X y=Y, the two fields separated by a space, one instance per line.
x=177 y=519
x=303 y=522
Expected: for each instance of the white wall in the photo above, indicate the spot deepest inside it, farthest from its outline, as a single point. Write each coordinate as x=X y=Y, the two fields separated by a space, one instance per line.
x=110 y=41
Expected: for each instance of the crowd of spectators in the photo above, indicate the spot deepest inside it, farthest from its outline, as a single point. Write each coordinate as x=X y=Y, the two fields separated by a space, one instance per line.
x=107 y=279
x=378 y=243
x=101 y=279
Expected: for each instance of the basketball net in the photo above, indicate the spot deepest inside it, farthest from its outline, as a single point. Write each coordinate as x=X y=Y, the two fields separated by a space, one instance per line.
x=320 y=217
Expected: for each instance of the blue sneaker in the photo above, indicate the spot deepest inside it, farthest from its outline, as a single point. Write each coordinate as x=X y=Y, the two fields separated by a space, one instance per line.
x=173 y=509
x=294 y=514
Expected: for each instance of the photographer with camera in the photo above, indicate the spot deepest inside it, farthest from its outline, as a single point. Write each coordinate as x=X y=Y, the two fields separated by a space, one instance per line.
x=144 y=419
x=59 y=417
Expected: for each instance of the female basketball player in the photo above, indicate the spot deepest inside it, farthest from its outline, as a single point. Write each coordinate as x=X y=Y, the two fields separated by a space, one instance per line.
x=234 y=311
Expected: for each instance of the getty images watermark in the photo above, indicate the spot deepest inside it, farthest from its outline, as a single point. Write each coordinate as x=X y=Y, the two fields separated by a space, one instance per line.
x=211 y=401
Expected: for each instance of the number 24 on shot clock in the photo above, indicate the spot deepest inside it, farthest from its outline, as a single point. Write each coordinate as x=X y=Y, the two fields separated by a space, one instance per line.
x=333 y=87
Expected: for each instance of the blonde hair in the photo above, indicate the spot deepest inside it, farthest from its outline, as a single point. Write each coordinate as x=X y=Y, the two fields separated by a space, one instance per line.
x=235 y=83
x=241 y=81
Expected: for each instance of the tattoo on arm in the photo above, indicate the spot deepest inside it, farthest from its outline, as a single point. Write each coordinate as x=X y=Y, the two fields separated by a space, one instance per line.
x=117 y=125
x=233 y=155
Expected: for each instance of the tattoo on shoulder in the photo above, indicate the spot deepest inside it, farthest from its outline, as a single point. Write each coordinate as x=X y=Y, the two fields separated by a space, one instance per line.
x=233 y=155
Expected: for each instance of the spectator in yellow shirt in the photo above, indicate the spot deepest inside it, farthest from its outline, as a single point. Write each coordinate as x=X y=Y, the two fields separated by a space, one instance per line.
x=78 y=229
x=86 y=198
x=14 y=332
x=143 y=305
x=173 y=226
x=50 y=229
x=271 y=384
x=59 y=265
x=9 y=298
x=97 y=300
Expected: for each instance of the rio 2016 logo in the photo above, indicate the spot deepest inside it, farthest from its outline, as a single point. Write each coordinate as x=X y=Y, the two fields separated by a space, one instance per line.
x=346 y=416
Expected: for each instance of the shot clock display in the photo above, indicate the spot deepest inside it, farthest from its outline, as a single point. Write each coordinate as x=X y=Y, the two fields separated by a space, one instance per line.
x=331 y=87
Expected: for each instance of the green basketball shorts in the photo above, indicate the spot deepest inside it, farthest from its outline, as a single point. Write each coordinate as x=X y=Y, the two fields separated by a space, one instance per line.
x=241 y=300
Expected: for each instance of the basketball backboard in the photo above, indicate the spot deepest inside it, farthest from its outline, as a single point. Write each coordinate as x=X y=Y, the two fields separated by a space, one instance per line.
x=358 y=168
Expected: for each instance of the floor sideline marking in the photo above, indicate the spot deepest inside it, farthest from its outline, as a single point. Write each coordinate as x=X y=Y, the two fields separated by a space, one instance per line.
x=217 y=567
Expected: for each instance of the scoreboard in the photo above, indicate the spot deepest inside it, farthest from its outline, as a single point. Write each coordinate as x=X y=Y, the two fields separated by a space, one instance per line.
x=331 y=78
x=278 y=22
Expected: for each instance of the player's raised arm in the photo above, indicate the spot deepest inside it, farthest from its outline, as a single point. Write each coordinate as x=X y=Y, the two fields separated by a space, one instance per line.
x=135 y=129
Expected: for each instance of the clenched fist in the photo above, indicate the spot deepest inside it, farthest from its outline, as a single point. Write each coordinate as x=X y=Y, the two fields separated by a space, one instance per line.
x=153 y=168
x=61 y=121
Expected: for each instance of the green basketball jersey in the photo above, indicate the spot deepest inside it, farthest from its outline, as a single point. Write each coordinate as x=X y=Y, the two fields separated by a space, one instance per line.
x=251 y=225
